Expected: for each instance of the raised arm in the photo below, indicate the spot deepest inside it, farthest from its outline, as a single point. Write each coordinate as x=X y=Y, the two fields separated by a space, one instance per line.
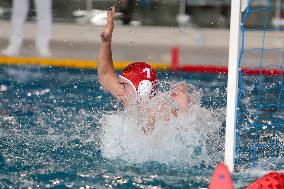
x=106 y=73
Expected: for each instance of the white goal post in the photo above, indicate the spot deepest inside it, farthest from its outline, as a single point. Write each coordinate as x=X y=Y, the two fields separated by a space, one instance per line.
x=232 y=87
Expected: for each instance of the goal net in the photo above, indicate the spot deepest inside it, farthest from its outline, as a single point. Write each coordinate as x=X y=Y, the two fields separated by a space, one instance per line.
x=259 y=108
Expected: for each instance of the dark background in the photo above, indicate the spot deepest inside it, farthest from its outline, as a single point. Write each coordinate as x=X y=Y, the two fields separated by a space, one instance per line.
x=203 y=13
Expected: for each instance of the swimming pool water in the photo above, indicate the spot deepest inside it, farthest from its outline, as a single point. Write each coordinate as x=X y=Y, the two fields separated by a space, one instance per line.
x=49 y=127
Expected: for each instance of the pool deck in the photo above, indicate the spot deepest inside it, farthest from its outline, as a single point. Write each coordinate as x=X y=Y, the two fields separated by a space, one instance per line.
x=206 y=47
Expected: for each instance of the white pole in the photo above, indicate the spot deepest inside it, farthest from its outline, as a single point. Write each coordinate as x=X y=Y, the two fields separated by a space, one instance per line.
x=232 y=88
x=89 y=5
x=182 y=7
x=278 y=9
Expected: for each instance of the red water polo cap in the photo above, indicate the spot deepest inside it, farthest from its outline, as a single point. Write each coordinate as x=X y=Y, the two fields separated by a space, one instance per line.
x=272 y=180
x=142 y=77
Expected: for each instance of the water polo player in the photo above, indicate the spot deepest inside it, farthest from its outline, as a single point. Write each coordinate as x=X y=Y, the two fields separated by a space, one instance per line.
x=136 y=81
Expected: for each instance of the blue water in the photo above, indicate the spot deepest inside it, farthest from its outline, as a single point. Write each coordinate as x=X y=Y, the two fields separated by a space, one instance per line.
x=50 y=133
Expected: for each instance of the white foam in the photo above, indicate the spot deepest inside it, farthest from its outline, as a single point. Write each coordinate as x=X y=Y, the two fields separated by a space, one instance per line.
x=192 y=138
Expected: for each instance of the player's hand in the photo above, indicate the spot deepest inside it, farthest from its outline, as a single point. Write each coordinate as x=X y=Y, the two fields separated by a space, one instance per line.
x=180 y=95
x=107 y=34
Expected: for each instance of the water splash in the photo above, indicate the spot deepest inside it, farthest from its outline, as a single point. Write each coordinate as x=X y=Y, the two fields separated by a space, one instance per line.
x=191 y=138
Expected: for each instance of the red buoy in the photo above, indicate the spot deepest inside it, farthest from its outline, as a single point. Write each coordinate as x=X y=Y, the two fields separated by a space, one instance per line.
x=221 y=178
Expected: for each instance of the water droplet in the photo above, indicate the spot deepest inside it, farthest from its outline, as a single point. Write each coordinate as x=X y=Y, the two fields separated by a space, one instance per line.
x=3 y=88
x=132 y=44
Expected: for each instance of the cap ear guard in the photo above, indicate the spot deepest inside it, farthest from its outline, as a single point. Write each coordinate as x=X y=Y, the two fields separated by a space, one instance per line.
x=144 y=89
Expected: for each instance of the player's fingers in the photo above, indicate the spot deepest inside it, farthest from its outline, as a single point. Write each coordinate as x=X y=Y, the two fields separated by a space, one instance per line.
x=113 y=9
x=109 y=14
x=108 y=17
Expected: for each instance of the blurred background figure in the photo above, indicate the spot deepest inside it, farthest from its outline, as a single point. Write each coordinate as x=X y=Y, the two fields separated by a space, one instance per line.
x=127 y=7
x=44 y=19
